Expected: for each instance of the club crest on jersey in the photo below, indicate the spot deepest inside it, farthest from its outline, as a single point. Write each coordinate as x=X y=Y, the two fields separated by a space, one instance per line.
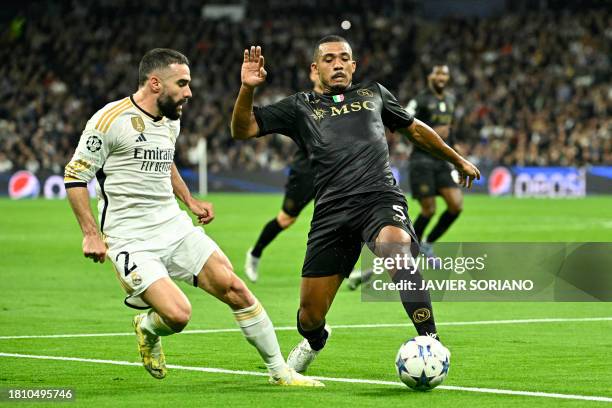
x=338 y=98
x=138 y=123
x=365 y=92
x=318 y=114
x=136 y=279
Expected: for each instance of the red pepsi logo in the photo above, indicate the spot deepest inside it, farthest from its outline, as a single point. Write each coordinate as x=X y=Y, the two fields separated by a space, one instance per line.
x=23 y=184
x=500 y=181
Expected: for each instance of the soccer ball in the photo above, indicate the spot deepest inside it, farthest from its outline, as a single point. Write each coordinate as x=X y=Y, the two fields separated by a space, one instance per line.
x=422 y=363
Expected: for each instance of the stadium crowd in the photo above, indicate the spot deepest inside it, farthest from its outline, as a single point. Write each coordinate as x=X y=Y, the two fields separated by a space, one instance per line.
x=532 y=89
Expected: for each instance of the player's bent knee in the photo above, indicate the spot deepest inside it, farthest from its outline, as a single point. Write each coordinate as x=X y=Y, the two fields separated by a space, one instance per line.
x=311 y=319
x=455 y=209
x=239 y=294
x=392 y=241
x=178 y=317
x=428 y=206
x=456 y=206
x=232 y=291
x=428 y=211
x=286 y=223
x=285 y=220
x=393 y=235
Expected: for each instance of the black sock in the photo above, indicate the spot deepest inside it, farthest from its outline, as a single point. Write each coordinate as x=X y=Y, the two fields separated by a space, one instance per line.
x=417 y=303
x=420 y=224
x=316 y=338
x=269 y=232
x=445 y=221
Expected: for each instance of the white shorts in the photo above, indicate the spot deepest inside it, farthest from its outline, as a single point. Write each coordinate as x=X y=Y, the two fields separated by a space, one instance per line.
x=177 y=249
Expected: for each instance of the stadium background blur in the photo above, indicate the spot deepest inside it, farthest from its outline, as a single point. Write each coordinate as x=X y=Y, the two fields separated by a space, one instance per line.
x=532 y=79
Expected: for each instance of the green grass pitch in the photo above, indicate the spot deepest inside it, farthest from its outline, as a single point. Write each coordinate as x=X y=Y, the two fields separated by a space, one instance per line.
x=48 y=288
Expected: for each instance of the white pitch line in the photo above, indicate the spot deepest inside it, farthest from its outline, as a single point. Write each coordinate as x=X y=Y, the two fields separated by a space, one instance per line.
x=339 y=326
x=329 y=379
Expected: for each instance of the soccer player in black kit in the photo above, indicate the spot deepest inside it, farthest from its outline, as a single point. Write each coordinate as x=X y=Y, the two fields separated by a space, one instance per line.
x=299 y=191
x=356 y=197
x=429 y=175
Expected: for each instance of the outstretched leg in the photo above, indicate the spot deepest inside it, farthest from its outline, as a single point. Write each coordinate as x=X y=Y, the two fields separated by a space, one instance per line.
x=391 y=242
x=316 y=297
x=218 y=278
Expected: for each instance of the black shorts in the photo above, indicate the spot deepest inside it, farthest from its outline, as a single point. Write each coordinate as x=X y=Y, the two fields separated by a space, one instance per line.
x=299 y=191
x=428 y=177
x=340 y=227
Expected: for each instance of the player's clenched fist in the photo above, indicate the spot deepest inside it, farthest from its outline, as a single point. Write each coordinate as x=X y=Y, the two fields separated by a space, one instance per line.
x=253 y=73
x=94 y=248
x=203 y=210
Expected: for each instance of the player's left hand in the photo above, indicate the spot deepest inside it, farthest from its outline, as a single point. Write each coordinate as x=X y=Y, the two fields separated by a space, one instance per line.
x=467 y=173
x=203 y=210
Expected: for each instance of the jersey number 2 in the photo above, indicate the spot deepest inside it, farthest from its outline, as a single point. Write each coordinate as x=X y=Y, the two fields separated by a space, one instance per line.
x=126 y=262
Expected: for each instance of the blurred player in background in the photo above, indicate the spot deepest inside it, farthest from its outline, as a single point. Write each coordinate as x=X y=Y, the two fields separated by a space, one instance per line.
x=129 y=147
x=429 y=175
x=357 y=197
x=299 y=191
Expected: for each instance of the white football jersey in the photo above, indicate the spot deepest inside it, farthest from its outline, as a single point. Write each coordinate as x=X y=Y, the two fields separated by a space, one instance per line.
x=130 y=153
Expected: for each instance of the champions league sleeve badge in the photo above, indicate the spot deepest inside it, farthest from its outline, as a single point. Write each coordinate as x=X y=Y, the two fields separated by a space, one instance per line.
x=93 y=143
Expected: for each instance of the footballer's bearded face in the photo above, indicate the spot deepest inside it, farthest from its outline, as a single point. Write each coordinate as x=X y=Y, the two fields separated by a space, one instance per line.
x=335 y=66
x=175 y=91
x=439 y=77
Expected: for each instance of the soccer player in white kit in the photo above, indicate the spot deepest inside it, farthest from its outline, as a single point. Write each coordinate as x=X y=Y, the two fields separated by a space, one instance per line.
x=128 y=146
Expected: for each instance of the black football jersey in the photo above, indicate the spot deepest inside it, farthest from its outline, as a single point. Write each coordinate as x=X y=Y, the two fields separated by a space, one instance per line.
x=343 y=136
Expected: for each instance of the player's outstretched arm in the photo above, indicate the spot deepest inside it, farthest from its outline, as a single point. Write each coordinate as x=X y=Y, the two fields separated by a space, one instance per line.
x=201 y=209
x=426 y=138
x=93 y=246
x=253 y=74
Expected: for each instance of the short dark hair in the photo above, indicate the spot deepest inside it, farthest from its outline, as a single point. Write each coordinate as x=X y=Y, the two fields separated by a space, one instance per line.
x=158 y=58
x=439 y=64
x=328 y=39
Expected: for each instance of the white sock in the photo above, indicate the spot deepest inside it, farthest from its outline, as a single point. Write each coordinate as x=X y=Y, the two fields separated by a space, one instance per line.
x=259 y=331
x=154 y=324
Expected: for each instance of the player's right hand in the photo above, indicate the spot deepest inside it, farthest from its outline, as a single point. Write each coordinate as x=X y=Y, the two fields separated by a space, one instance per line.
x=94 y=248
x=253 y=73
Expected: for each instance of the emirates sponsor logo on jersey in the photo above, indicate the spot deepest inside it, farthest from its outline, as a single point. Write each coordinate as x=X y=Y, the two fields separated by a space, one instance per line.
x=154 y=160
